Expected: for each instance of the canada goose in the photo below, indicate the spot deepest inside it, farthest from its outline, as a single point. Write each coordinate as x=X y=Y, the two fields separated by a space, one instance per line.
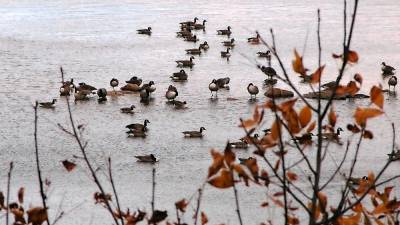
x=254 y=40
x=185 y=33
x=71 y=82
x=229 y=43
x=65 y=90
x=204 y=46
x=185 y=63
x=226 y=54
x=171 y=93
x=213 y=88
x=200 y=26
x=134 y=80
x=191 y=38
x=114 y=83
x=48 y=104
x=225 y=32
x=85 y=87
x=128 y=109
x=333 y=137
x=179 y=104
x=102 y=93
x=356 y=180
x=194 y=51
x=392 y=82
x=81 y=95
x=136 y=133
x=267 y=131
x=144 y=31
x=194 y=134
x=394 y=156
x=266 y=54
x=146 y=158
x=179 y=76
x=253 y=90
x=250 y=139
x=304 y=139
x=244 y=160
x=387 y=70
x=138 y=126
x=131 y=87
x=189 y=23
x=269 y=71
x=149 y=86
x=242 y=144
x=145 y=96
x=223 y=82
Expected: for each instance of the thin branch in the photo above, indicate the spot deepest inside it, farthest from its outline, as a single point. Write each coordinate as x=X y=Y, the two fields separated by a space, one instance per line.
x=86 y=159
x=198 y=206
x=115 y=191
x=42 y=194
x=8 y=190
x=337 y=169
x=236 y=200
x=153 y=189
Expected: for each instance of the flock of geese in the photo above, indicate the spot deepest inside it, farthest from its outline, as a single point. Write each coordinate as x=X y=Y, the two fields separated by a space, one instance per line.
x=82 y=91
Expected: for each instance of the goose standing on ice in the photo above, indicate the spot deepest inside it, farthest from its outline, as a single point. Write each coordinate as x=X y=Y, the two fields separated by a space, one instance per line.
x=213 y=86
x=253 y=90
x=392 y=82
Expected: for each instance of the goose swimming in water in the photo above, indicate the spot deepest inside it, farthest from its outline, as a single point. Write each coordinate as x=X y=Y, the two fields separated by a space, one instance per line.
x=225 y=32
x=189 y=23
x=138 y=126
x=194 y=134
x=204 y=46
x=114 y=83
x=146 y=158
x=134 y=80
x=226 y=54
x=194 y=51
x=185 y=63
x=48 y=104
x=254 y=40
x=144 y=31
x=128 y=109
x=200 y=26
x=179 y=104
x=230 y=43
x=179 y=76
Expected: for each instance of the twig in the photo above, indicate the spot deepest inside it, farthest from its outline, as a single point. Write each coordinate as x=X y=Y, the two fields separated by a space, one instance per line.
x=153 y=189
x=86 y=159
x=236 y=200
x=338 y=168
x=115 y=191
x=8 y=190
x=42 y=194
x=198 y=206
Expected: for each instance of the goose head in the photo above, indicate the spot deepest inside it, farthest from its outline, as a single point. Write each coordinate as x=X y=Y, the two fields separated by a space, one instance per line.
x=151 y=83
x=153 y=157
x=195 y=19
x=251 y=84
x=201 y=129
x=214 y=81
x=132 y=107
x=255 y=136
x=383 y=64
x=205 y=43
x=191 y=58
x=204 y=22
x=229 y=28
x=149 y=28
x=338 y=130
x=232 y=40
x=227 y=50
x=182 y=72
x=54 y=100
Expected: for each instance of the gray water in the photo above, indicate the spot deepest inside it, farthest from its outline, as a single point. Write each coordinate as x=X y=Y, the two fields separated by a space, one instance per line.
x=96 y=40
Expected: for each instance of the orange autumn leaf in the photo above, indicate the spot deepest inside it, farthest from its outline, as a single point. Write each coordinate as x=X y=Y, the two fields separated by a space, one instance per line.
x=316 y=76
x=204 y=218
x=21 y=192
x=305 y=116
x=386 y=208
x=286 y=106
x=251 y=164
x=292 y=120
x=352 y=56
x=257 y=118
x=293 y=220
x=358 y=78
x=363 y=114
x=37 y=215
x=69 y=166
x=291 y=176
x=317 y=212
x=377 y=96
x=352 y=88
x=332 y=117
x=277 y=202
x=368 y=134
x=275 y=129
x=349 y=220
x=311 y=127
x=341 y=90
x=239 y=169
x=297 y=64
x=181 y=205
x=323 y=200
x=229 y=156
x=218 y=163
x=224 y=180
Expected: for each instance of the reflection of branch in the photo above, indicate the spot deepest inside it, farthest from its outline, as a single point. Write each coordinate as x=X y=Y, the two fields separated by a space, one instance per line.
x=86 y=159
x=42 y=194
x=115 y=191
x=8 y=190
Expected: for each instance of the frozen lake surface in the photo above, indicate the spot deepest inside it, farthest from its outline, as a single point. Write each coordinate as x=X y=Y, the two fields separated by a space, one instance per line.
x=96 y=40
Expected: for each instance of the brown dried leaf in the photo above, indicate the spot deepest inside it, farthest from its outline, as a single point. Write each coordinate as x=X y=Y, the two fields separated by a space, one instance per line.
x=358 y=78
x=297 y=64
x=311 y=127
x=181 y=205
x=368 y=134
x=361 y=115
x=218 y=163
x=275 y=129
x=158 y=216
x=291 y=176
x=21 y=192
x=353 y=128
x=332 y=117
x=353 y=56
x=316 y=76
x=37 y=215
x=305 y=116
x=204 y=218
x=69 y=166
x=377 y=96
x=224 y=180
